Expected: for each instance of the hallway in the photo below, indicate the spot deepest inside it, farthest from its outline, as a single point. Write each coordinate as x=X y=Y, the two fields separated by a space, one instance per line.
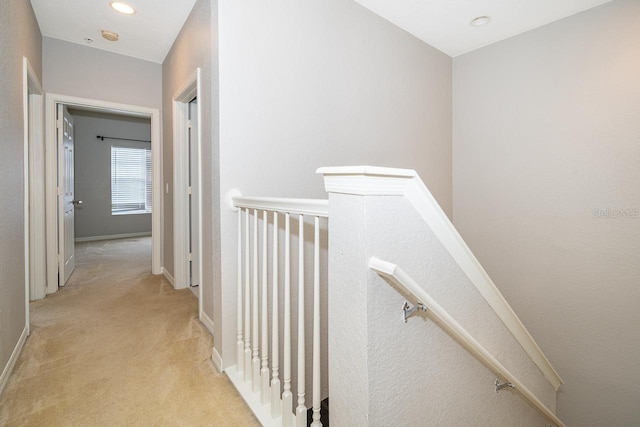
x=118 y=347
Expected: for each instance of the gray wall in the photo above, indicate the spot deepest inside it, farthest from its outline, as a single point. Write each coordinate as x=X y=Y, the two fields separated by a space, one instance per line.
x=309 y=84
x=546 y=140
x=195 y=46
x=93 y=172
x=76 y=70
x=20 y=37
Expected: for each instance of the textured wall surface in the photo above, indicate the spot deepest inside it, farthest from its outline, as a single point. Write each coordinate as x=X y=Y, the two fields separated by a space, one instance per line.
x=444 y=380
x=414 y=373
x=347 y=295
x=546 y=175
x=311 y=84
x=76 y=70
x=20 y=37
x=196 y=46
x=93 y=172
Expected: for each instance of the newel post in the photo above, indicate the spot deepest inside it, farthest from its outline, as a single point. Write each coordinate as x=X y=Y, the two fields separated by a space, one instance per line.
x=350 y=190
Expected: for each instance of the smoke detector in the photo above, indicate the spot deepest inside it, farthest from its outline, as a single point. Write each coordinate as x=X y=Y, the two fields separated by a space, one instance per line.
x=110 y=35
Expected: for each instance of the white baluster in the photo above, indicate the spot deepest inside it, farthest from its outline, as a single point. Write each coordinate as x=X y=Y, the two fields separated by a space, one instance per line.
x=287 y=397
x=255 y=361
x=301 y=410
x=316 y=326
x=239 y=343
x=247 y=302
x=275 y=377
x=264 y=347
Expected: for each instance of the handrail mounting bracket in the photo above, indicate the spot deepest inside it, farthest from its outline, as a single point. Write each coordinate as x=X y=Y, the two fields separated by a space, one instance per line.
x=408 y=310
x=500 y=386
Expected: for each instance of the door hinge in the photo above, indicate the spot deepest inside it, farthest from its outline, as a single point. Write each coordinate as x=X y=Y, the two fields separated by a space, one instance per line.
x=59 y=191
x=189 y=189
x=189 y=257
x=189 y=124
x=60 y=258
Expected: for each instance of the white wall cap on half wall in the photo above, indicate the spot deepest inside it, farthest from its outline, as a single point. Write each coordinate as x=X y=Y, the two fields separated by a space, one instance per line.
x=366 y=180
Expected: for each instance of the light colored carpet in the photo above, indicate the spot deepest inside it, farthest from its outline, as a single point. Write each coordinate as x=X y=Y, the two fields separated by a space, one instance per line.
x=119 y=347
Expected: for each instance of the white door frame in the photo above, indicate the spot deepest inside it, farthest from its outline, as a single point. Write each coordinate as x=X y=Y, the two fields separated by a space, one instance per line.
x=34 y=230
x=51 y=175
x=189 y=90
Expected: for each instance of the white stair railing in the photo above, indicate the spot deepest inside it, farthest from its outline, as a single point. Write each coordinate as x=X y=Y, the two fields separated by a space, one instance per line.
x=255 y=376
x=384 y=375
x=361 y=202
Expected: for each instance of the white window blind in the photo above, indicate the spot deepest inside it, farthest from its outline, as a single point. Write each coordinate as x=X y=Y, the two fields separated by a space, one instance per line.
x=130 y=180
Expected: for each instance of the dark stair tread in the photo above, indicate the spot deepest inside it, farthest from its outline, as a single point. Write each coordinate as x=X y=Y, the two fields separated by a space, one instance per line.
x=324 y=413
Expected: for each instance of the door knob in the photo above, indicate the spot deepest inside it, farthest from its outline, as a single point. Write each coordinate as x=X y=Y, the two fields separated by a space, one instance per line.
x=76 y=202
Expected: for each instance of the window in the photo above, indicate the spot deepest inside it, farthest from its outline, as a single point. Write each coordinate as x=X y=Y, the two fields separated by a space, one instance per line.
x=130 y=181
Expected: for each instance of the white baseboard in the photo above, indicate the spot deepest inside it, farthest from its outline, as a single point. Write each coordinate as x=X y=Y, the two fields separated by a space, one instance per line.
x=261 y=412
x=111 y=236
x=6 y=372
x=217 y=360
x=206 y=321
x=168 y=276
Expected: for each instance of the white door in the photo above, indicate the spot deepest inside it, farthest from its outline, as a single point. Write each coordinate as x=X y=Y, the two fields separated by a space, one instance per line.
x=194 y=191
x=66 y=201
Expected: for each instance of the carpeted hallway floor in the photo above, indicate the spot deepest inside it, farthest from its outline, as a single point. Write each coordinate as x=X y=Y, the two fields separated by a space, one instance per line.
x=119 y=347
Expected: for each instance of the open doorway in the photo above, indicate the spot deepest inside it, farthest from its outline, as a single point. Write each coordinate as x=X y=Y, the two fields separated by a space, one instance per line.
x=193 y=177
x=60 y=239
x=187 y=217
x=113 y=179
x=113 y=194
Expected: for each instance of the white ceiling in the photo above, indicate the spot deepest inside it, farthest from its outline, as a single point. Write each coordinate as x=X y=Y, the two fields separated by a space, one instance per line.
x=445 y=24
x=147 y=35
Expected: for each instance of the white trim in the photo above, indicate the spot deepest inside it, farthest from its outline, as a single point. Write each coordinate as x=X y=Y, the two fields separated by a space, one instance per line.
x=25 y=191
x=51 y=178
x=261 y=412
x=37 y=232
x=217 y=360
x=443 y=319
x=25 y=159
x=315 y=207
x=367 y=180
x=33 y=170
x=137 y=212
x=112 y=236
x=168 y=276
x=11 y=363
x=189 y=90
x=206 y=321
x=51 y=202
x=180 y=220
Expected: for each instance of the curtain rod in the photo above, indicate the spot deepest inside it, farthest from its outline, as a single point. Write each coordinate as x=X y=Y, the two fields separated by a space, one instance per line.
x=121 y=139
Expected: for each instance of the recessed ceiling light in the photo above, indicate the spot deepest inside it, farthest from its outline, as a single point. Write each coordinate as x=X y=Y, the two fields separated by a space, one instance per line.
x=123 y=8
x=110 y=35
x=480 y=21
